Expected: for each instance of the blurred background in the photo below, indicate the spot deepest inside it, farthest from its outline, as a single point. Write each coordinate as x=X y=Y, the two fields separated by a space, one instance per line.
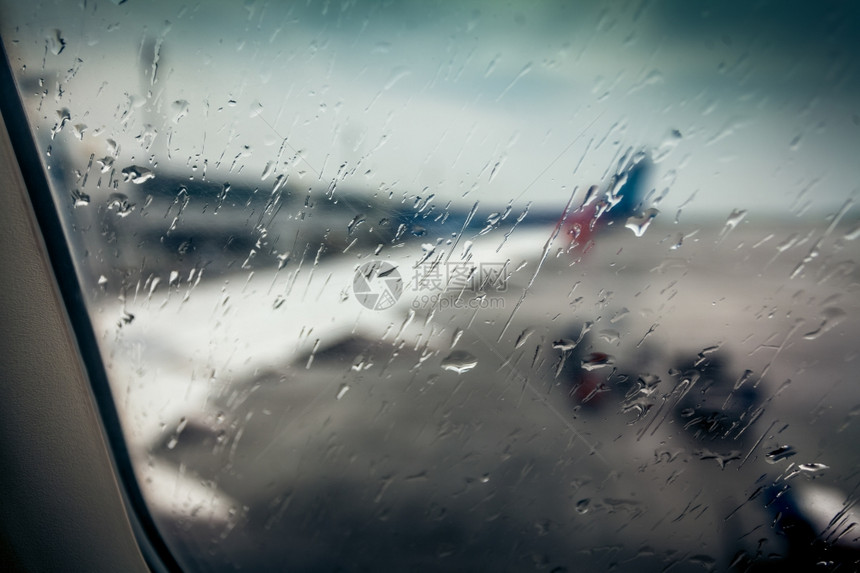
x=620 y=330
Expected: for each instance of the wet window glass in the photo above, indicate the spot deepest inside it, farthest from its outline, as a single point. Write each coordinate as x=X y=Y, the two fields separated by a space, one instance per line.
x=473 y=286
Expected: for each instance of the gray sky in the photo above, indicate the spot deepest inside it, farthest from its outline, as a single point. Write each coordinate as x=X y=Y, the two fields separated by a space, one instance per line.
x=473 y=102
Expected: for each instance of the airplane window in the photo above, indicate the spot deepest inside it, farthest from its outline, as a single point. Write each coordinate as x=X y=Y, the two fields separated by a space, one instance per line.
x=472 y=286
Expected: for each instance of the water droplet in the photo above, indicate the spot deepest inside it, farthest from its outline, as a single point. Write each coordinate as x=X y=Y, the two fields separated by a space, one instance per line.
x=456 y=338
x=564 y=344
x=174 y=439
x=639 y=223
x=779 y=454
x=356 y=222
x=459 y=361
x=795 y=143
x=361 y=363
x=521 y=339
x=735 y=218
x=105 y=163
x=582 y=505
x=55 y=41
x=722 y=459
x=344 y=388
x=831 y=317
x=429 y=249
x=268 y=170
x=147 y=136
x=312 y=354
x=853 y=234
x=609 y=335
x=63 y=117
x=619 y=315
x=813 y=467
x=154 y=285
x=743 y=379
x=79 y=129
x=705 y=561
x=180 y=109
x=137 y=174
x=119 y=202
x=597 y=360
x=80 y=198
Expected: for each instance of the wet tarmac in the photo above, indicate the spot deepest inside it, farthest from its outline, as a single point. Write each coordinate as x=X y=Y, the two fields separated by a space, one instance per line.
x=316 y=434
